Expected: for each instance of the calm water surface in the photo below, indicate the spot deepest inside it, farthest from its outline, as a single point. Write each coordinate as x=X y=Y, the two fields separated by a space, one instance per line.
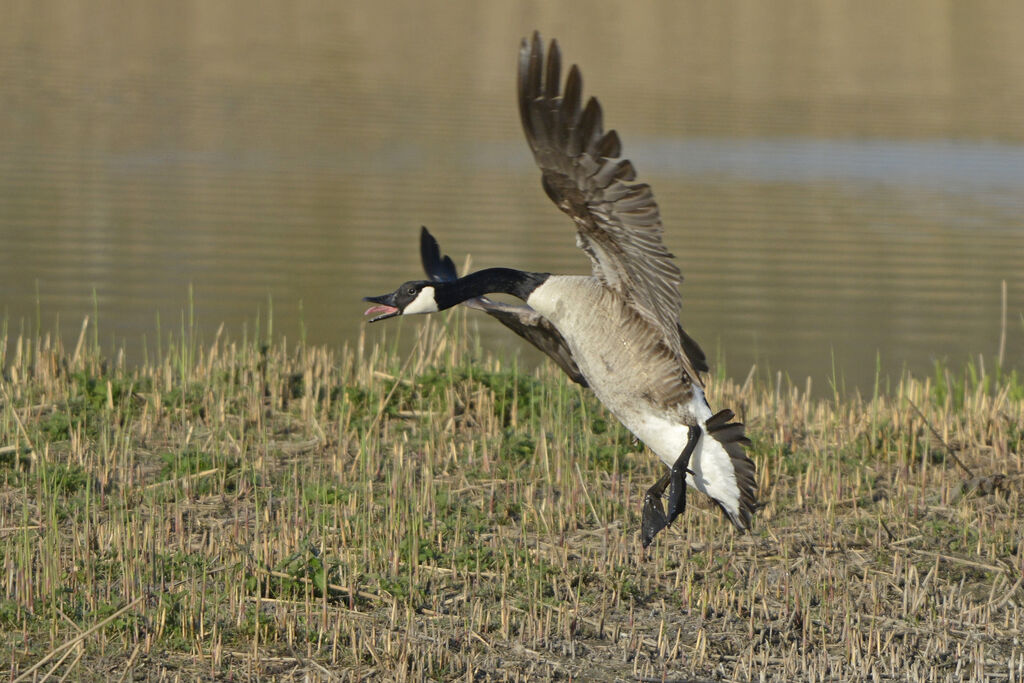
x=841 y=182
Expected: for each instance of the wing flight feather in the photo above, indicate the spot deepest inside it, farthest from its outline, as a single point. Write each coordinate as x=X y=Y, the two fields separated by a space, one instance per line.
x=617 y=220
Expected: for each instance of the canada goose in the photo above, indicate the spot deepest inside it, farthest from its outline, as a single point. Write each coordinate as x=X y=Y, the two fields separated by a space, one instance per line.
x=618 y=329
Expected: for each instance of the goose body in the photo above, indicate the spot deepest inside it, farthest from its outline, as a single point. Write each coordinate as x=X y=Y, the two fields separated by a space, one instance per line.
x=616 y=330
x=604 y=338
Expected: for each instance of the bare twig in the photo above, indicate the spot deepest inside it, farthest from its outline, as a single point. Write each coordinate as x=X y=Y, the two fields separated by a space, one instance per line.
x=130 y=663
x=21 y=426
x=997 y=604
x=77 y=639
x=957 y=560
x=949 y=449
x=71 y=667
x=181 y=480
x=586 y=494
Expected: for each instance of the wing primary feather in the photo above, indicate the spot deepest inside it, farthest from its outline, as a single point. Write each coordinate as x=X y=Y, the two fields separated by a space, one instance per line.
x=570 y=109
x=552 y=71
x=530 y=55
x=590 y=126
x=609 y=146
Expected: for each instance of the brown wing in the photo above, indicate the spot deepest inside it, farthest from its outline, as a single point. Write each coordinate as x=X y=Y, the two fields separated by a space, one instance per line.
x=617 y=220
x=536 y=329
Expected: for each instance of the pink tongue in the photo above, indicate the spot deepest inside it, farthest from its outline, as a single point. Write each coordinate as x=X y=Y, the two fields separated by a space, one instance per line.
x=380 y=309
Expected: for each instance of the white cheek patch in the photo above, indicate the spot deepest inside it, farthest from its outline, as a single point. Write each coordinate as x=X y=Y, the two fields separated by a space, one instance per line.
x=423 y=303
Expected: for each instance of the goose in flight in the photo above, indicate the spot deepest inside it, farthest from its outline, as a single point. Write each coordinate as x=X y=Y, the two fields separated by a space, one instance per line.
x=616 y=330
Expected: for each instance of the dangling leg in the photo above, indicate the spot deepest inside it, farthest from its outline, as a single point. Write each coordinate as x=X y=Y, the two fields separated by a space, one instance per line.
x=677 y=483
x=654 y=518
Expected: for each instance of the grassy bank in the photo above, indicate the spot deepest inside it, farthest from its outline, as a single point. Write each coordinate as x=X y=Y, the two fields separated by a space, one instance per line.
x=235 y=511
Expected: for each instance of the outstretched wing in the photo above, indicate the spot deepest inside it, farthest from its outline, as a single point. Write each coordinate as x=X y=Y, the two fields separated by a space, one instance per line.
x=523 y=320
x=617 y=220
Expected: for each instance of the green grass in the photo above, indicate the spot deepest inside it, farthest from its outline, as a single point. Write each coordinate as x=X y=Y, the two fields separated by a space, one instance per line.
x=244 y=511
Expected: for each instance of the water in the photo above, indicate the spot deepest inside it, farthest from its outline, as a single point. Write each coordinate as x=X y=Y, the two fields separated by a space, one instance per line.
x=842 y=183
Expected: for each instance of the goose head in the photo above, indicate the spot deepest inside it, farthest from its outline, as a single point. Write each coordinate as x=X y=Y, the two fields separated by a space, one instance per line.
x=415 y=296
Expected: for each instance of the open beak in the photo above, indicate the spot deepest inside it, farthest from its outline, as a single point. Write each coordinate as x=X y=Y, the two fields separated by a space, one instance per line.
x=384 y=307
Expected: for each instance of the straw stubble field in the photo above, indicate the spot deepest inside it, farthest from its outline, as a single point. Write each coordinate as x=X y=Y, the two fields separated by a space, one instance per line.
x=232 y=510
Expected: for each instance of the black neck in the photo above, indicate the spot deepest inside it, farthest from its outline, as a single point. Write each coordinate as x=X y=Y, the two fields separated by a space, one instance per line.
x=518 y=283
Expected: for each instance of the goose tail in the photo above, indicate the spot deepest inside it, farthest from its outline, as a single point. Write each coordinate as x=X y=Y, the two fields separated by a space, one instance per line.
x=738 y=498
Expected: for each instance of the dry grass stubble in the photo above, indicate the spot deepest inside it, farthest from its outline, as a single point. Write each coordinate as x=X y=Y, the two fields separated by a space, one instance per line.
x=236 y=511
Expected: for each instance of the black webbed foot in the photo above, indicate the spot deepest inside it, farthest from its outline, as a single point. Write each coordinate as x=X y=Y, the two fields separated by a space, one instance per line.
x=654 y=518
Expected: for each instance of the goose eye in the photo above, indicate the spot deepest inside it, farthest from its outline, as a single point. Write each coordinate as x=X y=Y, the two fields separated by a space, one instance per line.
x=411 y=291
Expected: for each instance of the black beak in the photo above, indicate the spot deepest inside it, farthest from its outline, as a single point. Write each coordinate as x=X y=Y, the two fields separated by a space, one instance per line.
x=385 y=306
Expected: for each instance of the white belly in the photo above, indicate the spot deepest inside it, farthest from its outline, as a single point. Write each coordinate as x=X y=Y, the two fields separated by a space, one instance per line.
x=619 y=372
x=665 y=436
x=623 y=372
